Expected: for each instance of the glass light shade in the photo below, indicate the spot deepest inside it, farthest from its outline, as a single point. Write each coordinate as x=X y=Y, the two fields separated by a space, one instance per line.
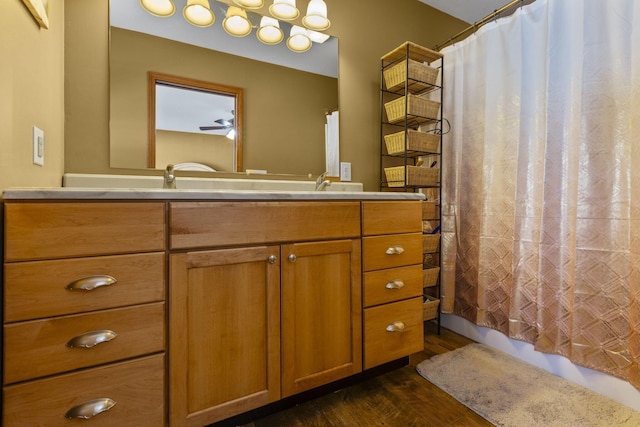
x=317 y=37
x=162 y=8
x=236 y=22
x=284 y=9
x=316 y=18
x=269 y=31
x=198 y=13
x=298 y=40
x=231 y=134
x=250 y=4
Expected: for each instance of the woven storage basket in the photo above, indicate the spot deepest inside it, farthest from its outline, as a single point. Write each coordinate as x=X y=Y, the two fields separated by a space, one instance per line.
x=429 y=210
x=416 y=175
x=430 y=276
x=416 y=106
x=395 y=77
x=416 y=141
x=430 y=308
x=430 y=242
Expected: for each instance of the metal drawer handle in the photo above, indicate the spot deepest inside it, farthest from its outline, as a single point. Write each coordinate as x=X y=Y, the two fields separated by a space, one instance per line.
x=395 y=284
x=90 y=409
x=396 y=327
x=90 y=283
x=293 y=258
x=395 y=250
x=272 y=259
x=91 y=339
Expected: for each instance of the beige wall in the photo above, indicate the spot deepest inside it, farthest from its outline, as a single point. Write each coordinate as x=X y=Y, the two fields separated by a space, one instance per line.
x=367 y=30
x=215 y=151
x=31 y=94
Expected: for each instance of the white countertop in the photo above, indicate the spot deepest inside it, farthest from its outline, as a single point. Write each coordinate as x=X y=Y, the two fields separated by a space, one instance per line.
x=70 y=193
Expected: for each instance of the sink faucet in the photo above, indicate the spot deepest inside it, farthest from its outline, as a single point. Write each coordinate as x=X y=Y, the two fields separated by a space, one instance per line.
x=321 y=182
x=169 y=178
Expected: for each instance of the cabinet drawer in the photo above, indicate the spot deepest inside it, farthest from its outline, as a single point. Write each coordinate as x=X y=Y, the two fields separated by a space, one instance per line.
x=391 y=217
x=38 y=289
x=39 y=348
x=383 y=345
x=395 y=284
x=61 y=230
x=136 y=386
x=391 y=251
x=202 y=224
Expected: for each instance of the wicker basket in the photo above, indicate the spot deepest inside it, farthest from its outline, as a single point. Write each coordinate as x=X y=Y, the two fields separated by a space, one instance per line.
x=429 y=210
x=416 y=175
x=395 y=77
x=416 y=141
x=430 y=242
x=416 y=106
x=430 y=276
x=430 y=308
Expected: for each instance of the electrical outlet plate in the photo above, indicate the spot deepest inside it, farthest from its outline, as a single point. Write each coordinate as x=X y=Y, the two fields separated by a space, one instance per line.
x=345 y=171
x=38 y=146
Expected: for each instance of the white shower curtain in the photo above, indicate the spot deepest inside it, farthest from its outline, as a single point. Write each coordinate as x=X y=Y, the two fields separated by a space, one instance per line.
x=541 y=180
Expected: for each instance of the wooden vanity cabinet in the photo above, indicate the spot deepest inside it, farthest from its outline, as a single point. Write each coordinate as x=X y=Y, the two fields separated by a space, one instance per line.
x=392 y=280
x=251 y=324
x=84 y=313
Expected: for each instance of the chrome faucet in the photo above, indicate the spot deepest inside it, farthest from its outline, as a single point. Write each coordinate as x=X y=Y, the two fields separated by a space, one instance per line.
x=321 y=182
x=169 y=178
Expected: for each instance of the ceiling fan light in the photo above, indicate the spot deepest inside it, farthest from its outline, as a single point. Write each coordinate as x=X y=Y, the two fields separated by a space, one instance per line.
x=317 y=37
x=250 y=4
x=161 y=8
x=284 y=9
x=269 y=31
x=316 y=18
x=231 y=134
x=298 y=40
x=236 y=22
x=198 y=13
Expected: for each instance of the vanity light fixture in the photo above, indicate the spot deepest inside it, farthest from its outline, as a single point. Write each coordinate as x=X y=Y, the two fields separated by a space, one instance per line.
x=317 y=37
x=236 y=22
x=162 y=8
x=298 y=40
x=284 y=9
x=316 y=18
x=198 y=13
x=250 y=4
x=269 y=31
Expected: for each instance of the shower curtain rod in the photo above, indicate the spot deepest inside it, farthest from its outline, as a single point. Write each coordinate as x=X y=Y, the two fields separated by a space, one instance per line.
x=476 y=25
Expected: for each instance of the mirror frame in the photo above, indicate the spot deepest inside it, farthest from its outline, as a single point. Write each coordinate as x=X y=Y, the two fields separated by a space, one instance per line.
x=193 y=84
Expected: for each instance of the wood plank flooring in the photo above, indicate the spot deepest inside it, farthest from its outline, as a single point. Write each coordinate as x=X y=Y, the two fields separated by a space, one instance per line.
x=399 y=398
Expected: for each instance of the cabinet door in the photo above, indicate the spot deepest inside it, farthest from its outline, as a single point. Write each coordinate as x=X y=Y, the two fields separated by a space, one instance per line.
x=224 y=333
x=321 y=314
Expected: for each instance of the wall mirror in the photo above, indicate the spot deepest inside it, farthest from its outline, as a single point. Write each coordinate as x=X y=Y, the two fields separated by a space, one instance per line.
x=286 y=95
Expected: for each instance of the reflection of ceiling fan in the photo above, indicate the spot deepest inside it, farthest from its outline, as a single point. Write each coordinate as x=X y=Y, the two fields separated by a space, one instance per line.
x=222 y=124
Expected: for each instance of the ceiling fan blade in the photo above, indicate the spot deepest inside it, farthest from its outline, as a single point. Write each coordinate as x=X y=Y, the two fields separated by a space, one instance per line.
x=213 y=127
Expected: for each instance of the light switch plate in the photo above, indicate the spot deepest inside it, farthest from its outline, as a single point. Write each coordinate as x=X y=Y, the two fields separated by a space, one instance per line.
x=345 y=171
x=38 y=146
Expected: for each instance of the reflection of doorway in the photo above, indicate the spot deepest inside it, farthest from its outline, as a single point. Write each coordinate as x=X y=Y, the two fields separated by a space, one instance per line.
x=189 y=121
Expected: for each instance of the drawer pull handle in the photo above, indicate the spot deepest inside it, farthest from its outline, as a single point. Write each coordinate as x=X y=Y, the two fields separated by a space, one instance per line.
x=395 y=250
x=90 y=409
x=396 y=327
x=91 y=339
x=90 y=283
x=395 y=284
x=272 y=259
x=293 y=257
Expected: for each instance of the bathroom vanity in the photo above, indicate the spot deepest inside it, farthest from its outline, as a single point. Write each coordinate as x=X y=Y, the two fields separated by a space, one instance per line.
x=187 y=307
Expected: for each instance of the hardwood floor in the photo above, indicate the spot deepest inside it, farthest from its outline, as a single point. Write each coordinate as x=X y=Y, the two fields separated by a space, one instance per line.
x=397 y=398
